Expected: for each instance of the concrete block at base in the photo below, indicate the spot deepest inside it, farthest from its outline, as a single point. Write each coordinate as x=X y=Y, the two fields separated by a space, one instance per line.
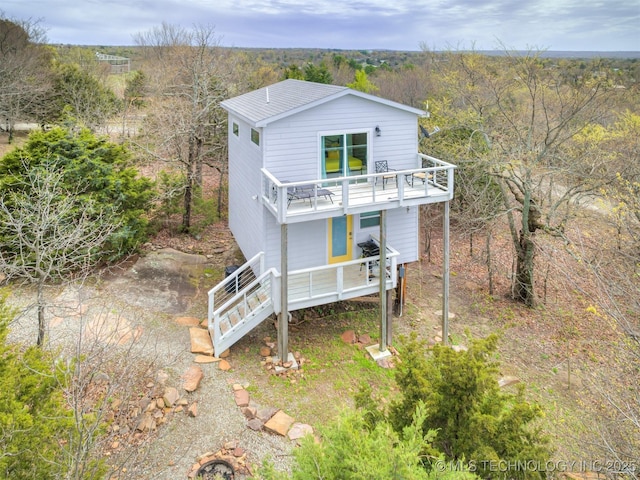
x=376 y=354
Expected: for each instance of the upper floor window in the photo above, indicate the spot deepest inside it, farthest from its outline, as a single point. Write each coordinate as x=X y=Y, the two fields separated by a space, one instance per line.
x=255 y=136
x=236 y=129
x=344 y=154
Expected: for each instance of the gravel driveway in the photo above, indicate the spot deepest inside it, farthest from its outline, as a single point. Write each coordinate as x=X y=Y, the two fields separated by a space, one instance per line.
x=140 y=303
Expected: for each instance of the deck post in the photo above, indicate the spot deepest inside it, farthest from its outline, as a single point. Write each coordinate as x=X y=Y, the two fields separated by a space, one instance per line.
x=445 y=275
x=283 y=318
x=389 y=318
x=384 y=318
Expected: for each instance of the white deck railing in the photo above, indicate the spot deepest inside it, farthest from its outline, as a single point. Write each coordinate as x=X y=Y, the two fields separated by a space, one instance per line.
x=340 y=281
x=250 y=294
x=327 y=197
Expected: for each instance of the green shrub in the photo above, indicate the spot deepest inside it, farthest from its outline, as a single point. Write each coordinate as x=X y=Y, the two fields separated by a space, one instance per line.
x=352 y=449
x=33 y=417
x=474 y=418
x=95 y=171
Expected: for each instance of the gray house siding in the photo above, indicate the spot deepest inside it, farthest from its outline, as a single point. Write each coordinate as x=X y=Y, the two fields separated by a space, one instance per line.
x=402 y=233
x=247 y=216
x=291 y=151
x=307 y=245
x=293 y=144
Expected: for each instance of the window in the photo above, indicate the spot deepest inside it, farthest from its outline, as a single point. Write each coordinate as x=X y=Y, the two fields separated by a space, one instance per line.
x=370 y=219
x=255 y=136
x=236 y=129
x=335 y=148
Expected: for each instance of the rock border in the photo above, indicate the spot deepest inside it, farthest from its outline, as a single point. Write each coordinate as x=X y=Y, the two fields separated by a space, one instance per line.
x=259 y=418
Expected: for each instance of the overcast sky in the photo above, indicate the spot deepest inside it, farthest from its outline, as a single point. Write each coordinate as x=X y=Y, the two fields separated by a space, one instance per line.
x=593 y=25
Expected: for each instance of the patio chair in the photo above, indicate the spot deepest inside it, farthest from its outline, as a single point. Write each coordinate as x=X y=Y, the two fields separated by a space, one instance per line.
x=308 y=191
x=424 y=176
x=383 y=167
x=314 y=191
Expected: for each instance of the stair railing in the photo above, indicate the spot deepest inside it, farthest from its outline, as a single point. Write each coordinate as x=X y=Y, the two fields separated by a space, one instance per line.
x=237 y=281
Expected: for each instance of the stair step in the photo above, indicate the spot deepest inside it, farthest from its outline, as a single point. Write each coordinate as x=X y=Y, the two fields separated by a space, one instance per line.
x=253 y=301
x=241 y=311
x=225 y=326
x=234 y=318
x=262 y=296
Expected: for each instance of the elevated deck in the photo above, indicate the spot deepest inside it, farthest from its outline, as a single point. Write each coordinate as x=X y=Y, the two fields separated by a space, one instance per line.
x=251 y=294
x=302 y=201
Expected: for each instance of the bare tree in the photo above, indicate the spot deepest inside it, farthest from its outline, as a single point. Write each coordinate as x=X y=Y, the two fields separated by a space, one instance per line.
x=186 y=126
x=608 y=276
x=530 y=113
x=108 y=366
x=25 y=72
x=49 y=233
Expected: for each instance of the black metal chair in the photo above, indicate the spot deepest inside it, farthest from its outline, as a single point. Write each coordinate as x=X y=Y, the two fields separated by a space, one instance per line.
x=383 y=167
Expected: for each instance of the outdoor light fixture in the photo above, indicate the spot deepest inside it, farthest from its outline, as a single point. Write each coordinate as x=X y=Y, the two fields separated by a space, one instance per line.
x=378 y=131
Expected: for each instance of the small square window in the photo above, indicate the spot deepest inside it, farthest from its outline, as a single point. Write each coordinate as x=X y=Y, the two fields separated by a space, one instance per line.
x=255 y=136
x=369 y=219
x=236 y=129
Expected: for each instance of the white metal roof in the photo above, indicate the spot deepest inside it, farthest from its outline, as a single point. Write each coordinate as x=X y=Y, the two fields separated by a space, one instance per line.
x=268 y=104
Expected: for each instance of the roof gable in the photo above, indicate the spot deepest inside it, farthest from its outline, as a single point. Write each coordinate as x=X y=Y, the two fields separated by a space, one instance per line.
x=280 y=100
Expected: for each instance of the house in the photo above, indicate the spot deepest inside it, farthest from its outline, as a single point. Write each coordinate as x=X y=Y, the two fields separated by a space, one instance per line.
x=325 y=183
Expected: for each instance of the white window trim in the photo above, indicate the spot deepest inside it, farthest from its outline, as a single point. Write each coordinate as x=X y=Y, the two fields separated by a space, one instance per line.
x=326 y=133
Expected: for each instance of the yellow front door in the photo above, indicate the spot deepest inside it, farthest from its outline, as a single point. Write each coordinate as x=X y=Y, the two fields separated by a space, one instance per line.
x=340 y=239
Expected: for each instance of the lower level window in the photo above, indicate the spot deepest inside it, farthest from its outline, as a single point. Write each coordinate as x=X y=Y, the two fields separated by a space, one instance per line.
x=369 y=219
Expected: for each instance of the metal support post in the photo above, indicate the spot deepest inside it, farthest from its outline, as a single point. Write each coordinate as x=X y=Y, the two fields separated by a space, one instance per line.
x=445 y=275
x=283 y=318
x=384 y=317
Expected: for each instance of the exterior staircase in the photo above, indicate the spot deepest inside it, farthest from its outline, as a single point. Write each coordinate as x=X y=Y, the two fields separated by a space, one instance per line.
x=241 y=302
x=251 y=293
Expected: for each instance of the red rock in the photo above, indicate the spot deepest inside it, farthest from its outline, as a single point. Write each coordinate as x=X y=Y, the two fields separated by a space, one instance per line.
x=224 y=365
x=249 y=412
x=146 y=423
x=241 y=397
x=205 y=359
x=192 y=378
x=255 y=424
x=192 y=411
x=266 y=413
x=299 y=430
x=188 y=321
x=238 y=452
x=200 y=341
x=365 y=339
x=170 y=396
x=279 y=423
x=349 y=336
x=265 y=351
